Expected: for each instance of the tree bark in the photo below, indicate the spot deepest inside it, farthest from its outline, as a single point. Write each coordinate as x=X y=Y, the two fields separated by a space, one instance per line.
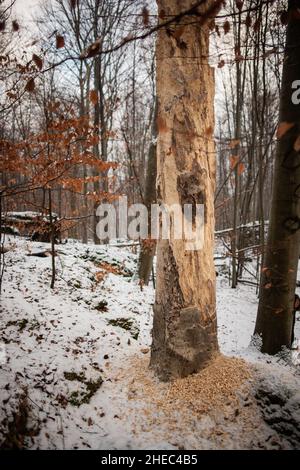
x=275 y=311
x=185 y=329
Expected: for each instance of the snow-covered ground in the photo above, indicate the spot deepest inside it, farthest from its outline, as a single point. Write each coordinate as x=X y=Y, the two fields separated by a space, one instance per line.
x=75 y=358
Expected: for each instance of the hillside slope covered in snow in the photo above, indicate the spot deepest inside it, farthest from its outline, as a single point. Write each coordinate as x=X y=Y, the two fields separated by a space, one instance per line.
x=74 y=363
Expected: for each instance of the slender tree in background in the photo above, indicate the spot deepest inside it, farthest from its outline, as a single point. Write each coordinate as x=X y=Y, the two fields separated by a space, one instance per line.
x=236 y=154
x=148 y=246
x=184 y=330
x=274 y=318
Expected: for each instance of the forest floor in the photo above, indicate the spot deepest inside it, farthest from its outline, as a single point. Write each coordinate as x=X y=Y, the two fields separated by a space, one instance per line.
x=74 y=363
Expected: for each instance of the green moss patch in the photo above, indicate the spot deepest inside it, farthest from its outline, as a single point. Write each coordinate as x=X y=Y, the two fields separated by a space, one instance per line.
x=78 y=397
x=127 y=324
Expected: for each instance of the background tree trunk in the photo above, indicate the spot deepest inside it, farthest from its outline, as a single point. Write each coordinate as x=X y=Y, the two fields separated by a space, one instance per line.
x=184 y=330
x=148 y=247
x=274 y=318
x=96 y=150
x=235 y=245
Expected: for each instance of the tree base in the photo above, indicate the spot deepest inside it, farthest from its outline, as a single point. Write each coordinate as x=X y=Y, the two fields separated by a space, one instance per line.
x=185 y=347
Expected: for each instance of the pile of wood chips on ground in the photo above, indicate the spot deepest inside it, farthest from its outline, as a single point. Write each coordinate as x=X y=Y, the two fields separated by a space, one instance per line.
x=212 y=388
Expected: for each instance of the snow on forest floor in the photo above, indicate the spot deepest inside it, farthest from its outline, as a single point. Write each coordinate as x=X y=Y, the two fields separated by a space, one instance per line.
x=74 y=363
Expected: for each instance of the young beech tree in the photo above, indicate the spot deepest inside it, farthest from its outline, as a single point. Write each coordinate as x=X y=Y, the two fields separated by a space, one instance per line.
x=148 y=246
x=274 y=318
x=184 y=330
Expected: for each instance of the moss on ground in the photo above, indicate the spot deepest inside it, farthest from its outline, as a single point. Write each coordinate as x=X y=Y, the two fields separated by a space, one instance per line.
x=127 y=324
x=78 y=397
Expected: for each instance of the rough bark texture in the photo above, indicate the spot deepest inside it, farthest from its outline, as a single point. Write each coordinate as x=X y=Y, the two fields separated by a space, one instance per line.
x=275 y=312
x=184 y=329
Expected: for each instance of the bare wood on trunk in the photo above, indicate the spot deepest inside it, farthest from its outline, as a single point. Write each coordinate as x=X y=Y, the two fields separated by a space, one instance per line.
x=185 y=329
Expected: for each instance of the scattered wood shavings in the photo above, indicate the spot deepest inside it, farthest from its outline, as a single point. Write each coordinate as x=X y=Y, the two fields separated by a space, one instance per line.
x=211 y=389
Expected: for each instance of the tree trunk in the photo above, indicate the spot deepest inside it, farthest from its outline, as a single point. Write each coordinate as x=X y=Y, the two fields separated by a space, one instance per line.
x=96 y=150
x=148 y=247
x=82 y=112
x=235 y=242
x=184 y=329
x=52 y=240
x=275 y=311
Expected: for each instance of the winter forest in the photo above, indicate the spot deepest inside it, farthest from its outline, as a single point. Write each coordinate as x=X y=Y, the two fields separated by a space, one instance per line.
x=149 y=225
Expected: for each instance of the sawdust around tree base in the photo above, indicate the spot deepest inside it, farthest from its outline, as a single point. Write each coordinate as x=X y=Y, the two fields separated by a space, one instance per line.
x=211 y=389
x=212 y=409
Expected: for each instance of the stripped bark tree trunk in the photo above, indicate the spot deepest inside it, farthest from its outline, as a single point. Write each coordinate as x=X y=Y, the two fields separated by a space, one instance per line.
x=184 y=329
x=276 y=303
